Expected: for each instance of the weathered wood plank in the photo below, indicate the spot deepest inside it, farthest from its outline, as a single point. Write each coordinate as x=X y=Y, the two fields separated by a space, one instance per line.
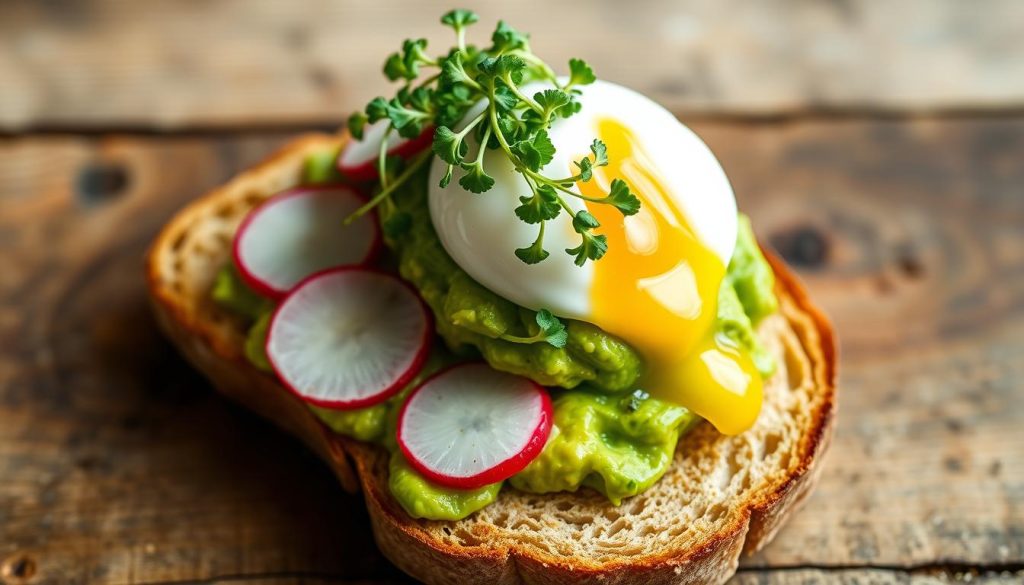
x=121 y=466
x=227 y=62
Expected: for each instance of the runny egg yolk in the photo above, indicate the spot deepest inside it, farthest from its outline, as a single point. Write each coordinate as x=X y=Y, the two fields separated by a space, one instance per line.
x=657 y=288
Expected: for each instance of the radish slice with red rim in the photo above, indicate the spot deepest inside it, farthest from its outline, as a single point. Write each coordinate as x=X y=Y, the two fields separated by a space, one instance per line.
x=471 y=425
x=300 y=232
x=358 y=160
x=348 y=338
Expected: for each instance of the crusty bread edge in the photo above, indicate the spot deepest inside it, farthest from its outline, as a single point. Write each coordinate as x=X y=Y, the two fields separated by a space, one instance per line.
x=401 y=538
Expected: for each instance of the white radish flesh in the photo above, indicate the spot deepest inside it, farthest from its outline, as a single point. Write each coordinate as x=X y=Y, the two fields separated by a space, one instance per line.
x=349 y=338
x=300 y=232
x=471 y=425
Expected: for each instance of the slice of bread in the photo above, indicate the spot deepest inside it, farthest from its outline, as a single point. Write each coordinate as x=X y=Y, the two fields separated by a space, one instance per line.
x=722 y=496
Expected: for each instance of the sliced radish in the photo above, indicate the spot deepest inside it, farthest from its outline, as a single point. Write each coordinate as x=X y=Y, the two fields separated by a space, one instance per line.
x=470 y=426
x=358 y=161
x=348 y=338
x=300 y=232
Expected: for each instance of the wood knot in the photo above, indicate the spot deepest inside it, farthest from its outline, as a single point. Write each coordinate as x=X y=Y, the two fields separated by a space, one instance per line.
x=18 y=568
x=99 y=182
x=909 y=264
x=802 y=246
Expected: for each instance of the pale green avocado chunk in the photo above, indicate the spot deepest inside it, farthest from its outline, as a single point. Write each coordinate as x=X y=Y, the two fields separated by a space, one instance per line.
x=377 y=423
x=230 y=292
x=421 y=498
x=747 y=296
x=604 y=437
x=234 y=295
x=255 y=342
x=366 y=424
x=616 y=445
x=321 y=167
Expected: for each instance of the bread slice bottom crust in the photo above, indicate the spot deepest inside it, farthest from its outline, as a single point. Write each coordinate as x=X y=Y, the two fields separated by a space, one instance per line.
x=722 y=495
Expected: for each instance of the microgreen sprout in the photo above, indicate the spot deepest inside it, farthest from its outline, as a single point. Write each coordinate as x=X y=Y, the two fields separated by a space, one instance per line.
x=436 y=96
x=513 y=122
x=549 y=329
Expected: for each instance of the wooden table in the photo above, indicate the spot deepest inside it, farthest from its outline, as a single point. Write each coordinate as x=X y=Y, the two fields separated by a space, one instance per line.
x=118 y=463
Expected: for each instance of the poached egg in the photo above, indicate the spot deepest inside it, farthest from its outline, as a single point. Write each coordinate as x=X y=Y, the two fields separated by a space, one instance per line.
x=657 y=286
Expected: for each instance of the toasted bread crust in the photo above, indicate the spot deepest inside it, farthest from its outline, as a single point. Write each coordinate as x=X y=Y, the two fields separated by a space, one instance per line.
x=214 y=346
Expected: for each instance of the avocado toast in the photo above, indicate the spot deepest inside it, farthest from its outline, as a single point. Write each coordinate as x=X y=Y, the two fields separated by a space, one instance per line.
x=721 y=496
x=523 y=313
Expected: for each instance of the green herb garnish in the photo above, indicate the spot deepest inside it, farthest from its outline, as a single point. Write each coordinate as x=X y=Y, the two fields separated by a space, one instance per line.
x=513 y=122
x=550 y=330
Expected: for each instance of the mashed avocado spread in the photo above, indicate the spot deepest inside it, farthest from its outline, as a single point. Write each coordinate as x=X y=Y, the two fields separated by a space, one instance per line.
x=607 y=435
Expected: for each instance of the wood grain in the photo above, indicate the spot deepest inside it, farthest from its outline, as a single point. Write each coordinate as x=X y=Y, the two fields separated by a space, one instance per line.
x=120 y=465
x=167 y=63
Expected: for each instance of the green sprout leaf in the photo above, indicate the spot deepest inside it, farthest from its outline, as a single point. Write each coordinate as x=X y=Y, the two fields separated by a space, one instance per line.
x=504 y=99
x=528 y=154
x=453 y=71
x=623 y=200
x=448 y=146
x=535 y=252
x=551 y=100
x=573 y=107
x=544 y=147
x=591 y=248
x=580 y=73
x=476 y=180
x=541 y=206
x=408 y=122
x=413 y=55
x=377 y=109
x=506 y=38
x=586 y=165
x=394 y=68
x=551 y=328
x=510 y=67
x=356 y=125
x=584 y=222
x=586 y=169
x=459 y=18
x=510 y=128
x=420 y=99
x=447 y=177
x=406 y=63
x=600 y=153
x=537 y=152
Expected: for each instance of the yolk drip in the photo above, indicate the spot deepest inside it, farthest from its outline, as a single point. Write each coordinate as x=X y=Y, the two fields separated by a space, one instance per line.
x=657 y=288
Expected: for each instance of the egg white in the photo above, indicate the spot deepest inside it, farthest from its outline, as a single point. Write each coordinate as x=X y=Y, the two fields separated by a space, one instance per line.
x=481 y=231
